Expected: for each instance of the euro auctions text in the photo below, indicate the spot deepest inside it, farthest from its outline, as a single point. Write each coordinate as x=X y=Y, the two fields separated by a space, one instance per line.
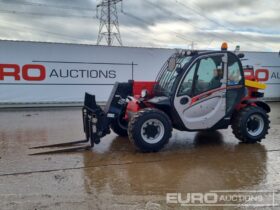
x=223 y=198
x=37 y=72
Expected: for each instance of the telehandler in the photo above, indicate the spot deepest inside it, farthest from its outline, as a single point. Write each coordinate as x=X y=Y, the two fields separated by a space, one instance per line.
x=194 y=91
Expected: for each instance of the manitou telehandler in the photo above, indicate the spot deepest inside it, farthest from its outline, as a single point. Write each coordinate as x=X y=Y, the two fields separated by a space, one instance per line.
x=194 y=91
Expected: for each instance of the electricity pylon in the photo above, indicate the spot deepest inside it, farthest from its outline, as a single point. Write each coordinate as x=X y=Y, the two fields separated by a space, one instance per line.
x=109 y=23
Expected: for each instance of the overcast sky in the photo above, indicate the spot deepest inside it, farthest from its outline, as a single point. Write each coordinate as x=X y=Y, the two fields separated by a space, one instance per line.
x=252 y=24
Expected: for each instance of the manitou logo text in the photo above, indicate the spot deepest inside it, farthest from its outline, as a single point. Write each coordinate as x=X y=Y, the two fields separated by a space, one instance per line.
x=28 y=72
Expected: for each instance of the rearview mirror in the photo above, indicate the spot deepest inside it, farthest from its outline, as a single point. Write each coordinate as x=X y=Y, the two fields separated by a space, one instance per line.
x=172 y=63
x=241 y=55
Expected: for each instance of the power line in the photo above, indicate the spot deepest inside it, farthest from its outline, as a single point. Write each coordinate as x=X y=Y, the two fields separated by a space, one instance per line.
x=158 y=6
x=14 y=12
x=182 y=18
x=212 y=20
x=30 y=29
x=144 y=22
x=201 y=14
x=46 y=5
x=133 y=31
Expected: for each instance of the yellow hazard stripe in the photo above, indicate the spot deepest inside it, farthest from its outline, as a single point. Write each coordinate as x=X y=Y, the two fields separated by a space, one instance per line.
x=253 y=84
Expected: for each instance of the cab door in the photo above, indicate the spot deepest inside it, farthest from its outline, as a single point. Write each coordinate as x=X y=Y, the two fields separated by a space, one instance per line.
x=200 y=98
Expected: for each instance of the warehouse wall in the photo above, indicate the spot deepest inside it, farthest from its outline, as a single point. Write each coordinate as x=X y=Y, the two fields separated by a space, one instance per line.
x=61 y=73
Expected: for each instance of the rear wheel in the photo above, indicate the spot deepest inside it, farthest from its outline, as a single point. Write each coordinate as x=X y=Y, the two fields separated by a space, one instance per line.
x=251 y=124
x=149 y=130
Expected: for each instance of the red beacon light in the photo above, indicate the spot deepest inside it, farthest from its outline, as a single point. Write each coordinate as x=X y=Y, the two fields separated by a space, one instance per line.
x=224 y=46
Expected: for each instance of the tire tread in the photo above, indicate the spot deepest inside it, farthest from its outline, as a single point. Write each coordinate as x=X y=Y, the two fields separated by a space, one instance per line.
x=140 y=114
x=237 y=124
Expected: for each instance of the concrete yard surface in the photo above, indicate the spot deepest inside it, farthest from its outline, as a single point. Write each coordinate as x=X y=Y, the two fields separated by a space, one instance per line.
x=114 y=176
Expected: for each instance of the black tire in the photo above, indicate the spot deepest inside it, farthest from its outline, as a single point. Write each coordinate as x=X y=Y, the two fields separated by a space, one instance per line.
x=154 y=119
x=119 y=127
x=241 y=124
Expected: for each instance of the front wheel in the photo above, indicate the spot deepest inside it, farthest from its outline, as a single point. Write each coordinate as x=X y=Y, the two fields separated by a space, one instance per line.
x=251 y=124
x=149 y=130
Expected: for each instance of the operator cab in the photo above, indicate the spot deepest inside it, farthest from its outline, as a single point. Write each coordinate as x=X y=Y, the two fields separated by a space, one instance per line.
x=171 y=70
x=203 y=87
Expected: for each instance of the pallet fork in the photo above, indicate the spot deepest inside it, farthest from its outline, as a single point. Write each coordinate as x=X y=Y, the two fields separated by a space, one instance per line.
x=95 y=123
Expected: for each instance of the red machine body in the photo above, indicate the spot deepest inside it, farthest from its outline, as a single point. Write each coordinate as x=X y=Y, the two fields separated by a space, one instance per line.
x=252 y=93
x=138 y=86
x=133 y=105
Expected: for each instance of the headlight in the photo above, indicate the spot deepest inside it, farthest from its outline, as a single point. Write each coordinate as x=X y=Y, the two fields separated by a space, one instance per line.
x=144 y=93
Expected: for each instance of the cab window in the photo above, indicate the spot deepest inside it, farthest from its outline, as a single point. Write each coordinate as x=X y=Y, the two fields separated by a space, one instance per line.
x=234 y=73
x=187 y=83
x=209 y=74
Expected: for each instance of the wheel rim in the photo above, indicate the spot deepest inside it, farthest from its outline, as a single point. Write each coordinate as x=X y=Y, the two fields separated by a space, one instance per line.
x=255 y=125
x=152 y=131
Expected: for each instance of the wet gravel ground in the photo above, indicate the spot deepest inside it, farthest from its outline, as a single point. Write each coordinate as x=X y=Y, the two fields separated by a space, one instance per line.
x=114 y=176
